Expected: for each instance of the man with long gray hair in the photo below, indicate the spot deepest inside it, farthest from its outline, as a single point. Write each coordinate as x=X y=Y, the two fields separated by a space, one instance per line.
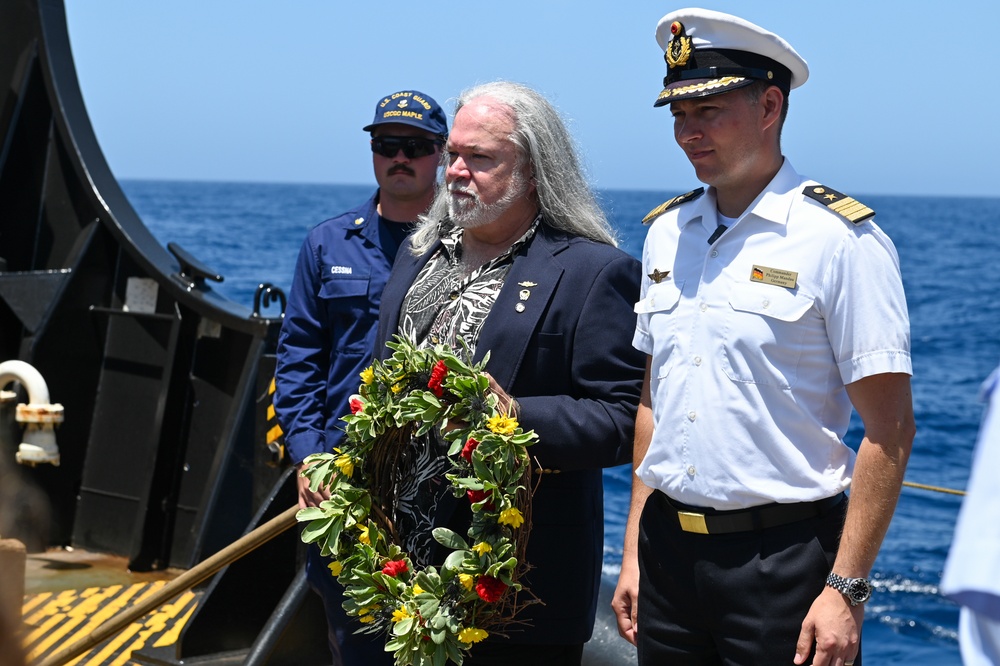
x=515 y=258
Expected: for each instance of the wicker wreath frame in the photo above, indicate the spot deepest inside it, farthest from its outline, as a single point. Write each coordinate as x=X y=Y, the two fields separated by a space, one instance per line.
x=428 y=615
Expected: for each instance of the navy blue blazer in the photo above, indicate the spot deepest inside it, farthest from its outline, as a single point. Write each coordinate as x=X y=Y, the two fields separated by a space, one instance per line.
x=568 y=359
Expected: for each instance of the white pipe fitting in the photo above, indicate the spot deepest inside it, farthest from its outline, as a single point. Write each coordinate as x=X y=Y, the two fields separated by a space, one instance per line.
x=39 y=416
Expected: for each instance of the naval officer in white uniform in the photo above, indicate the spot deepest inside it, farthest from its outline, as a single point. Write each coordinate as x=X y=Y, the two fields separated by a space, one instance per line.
x=771 y=306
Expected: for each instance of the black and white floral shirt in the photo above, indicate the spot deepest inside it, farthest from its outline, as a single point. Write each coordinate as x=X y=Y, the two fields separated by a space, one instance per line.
x=442 y=306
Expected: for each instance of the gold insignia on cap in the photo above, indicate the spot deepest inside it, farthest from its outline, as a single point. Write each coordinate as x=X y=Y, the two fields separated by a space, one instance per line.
x=845 y=206
x=670 y=203
x=701 y=87
x=679 y=50
x=657 y=275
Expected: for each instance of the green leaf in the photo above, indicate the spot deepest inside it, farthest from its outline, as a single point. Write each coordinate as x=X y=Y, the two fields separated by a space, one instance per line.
x=310 y=513
x=440 y=655
x=454 y=652
x=448 y=538
x=455 y=560
x=316 y=530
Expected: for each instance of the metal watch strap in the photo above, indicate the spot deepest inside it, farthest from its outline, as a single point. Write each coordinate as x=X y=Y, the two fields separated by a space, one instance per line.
x=857 y=590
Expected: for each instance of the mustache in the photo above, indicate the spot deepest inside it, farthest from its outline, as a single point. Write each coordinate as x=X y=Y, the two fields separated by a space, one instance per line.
x=455 y=187
x=400 y=168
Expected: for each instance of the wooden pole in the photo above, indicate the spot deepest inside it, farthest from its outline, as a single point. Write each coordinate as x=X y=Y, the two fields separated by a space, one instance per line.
x=937 y=489
x=193 y=576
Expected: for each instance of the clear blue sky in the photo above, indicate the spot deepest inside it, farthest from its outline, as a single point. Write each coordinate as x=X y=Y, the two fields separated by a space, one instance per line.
x=278 y=91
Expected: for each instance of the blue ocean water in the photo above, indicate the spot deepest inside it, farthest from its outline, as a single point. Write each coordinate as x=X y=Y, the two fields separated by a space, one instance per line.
x=251 y=234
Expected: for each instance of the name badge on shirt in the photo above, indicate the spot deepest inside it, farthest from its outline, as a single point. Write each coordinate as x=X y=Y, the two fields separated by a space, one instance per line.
x=774 y=276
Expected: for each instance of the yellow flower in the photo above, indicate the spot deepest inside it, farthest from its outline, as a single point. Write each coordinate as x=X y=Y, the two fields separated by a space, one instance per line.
x=472 y=635
x=345 y=464
x=364 y=538
x=417 y=589
x=467 y=581
x=365 y=614
x=396 y=388
x=400 y=614
x=368 y=375
x=511 y=517
x=482 y=548
x=502 y=425
x=335 y=567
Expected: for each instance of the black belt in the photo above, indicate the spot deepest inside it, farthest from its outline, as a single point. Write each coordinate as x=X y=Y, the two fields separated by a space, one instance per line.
x=708 y=521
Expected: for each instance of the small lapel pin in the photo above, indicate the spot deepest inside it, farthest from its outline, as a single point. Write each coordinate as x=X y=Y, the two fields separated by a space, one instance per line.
x=527 y=283
x=519 y=307
x=657 y=275
x=525 y=294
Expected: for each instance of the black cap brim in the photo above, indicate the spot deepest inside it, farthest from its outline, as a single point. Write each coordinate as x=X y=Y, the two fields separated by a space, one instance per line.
x=692 y=88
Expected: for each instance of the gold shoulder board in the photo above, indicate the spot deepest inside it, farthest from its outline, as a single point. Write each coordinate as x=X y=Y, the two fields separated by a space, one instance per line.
x=845 y=206
x=667 y=205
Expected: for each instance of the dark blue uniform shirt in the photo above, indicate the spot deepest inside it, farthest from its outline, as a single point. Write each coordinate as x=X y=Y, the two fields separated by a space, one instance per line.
x=328 y=335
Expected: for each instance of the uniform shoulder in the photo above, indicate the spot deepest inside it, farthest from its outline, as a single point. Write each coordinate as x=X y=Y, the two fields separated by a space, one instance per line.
x=847 y=207
x=354 y=217
x=670 y=203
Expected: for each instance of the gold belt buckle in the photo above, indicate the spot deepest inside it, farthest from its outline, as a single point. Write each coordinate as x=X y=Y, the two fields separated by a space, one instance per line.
x=692 y=522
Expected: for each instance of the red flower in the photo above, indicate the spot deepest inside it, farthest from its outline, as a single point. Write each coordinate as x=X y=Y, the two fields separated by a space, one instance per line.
x=356 y=405
x=470 y=446
x=437 y=377
x=490 y=589
x=394 y=568
x=478 y=496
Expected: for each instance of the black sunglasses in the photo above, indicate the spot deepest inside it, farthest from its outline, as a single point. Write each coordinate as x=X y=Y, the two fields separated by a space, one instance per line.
x=412 y=146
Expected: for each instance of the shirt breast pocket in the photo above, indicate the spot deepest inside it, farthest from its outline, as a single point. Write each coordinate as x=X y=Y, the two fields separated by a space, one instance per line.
x=655 y=318
x=349 y=309
x=765 y=333
x=662 y=297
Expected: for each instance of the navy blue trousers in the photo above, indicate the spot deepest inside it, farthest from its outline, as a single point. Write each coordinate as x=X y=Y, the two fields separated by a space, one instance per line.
x=733 y=599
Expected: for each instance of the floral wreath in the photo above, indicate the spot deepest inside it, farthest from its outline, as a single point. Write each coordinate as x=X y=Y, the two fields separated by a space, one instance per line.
x=428 y=615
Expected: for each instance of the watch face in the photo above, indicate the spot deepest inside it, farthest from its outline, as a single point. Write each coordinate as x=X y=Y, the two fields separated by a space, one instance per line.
x=859 y=590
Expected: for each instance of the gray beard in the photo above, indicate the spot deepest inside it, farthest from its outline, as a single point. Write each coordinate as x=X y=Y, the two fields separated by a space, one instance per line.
x=477 y=214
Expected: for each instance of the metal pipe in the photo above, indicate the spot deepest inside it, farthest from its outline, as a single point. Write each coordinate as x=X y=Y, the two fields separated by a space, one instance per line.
x=31 y=380
x=39 y=415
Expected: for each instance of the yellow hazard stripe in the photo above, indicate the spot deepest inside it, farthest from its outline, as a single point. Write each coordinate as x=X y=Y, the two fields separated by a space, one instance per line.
x=55 y=621
x=273 y=434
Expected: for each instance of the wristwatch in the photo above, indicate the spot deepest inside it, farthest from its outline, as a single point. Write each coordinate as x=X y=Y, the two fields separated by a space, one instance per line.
x=857 y=590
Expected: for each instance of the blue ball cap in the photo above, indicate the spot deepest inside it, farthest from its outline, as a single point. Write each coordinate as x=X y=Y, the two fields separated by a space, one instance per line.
x=410 y=107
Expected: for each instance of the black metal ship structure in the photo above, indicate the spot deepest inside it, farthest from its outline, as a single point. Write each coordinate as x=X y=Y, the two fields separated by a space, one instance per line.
x=161 y=382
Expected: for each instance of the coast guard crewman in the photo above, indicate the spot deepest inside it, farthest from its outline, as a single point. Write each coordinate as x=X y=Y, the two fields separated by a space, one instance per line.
x=328 y=334
x=771 y=304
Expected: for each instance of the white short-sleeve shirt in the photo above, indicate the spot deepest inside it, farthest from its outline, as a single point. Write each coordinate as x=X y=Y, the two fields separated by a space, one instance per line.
x=972 y=572
x=753 y=339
